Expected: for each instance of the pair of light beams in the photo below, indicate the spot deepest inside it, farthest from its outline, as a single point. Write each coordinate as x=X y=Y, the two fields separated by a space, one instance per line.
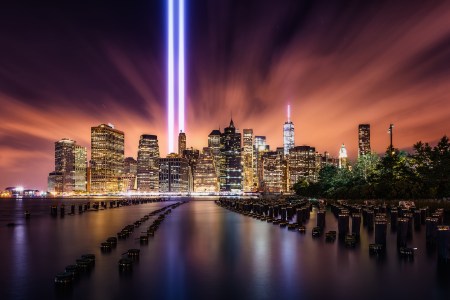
x=175 y=9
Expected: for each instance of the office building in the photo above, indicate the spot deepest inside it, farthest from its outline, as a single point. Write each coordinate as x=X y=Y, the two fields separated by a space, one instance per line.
x=148 y=164
x=230 y=166
x=205 y=178
x=129 y=176
x=274 y=172
x=107 y=155
x=247 y=160
x=363 y=139
x=302 y=165
x=181 y=143
x=173 y=174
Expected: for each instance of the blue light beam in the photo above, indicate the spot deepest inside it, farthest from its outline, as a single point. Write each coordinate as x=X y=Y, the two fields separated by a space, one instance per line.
x=181 y=77
x=170 y=77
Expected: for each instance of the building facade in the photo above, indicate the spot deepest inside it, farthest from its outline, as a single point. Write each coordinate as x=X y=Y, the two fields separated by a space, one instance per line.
x=65 y=164
x=302 y=165
x=247 y=161
x=181 y=143
x=80 y=177
x=173 y=174
x=130 y=174
x=107 y=155
x=363 y=139
x=148 y=164
x=274 y=172
x=230 y=166
x=205 y=178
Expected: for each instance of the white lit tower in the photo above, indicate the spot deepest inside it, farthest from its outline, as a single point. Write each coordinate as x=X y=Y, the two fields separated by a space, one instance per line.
x=288 y=133
x=342 y=157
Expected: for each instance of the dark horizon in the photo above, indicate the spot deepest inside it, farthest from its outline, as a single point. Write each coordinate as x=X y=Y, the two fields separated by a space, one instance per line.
x=69 y=66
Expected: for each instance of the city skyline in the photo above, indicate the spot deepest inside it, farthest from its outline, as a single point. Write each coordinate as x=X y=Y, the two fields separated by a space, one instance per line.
x=332 y=84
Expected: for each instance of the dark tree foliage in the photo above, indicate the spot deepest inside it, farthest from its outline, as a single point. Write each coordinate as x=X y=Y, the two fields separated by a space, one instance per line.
x=423 y=174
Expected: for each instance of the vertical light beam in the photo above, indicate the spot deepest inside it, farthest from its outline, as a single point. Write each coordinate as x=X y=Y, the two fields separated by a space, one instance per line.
x=289 y=112
x=181 y=78
x=170 y=77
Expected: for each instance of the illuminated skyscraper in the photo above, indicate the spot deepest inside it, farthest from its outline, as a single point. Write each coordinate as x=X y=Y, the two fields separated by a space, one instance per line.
x=129 y=174
x=247 y=157
x=80 y=177
x=273 y=172
x=65 y=164
x=302 y=165
x=214 y=146
x=107 y=154
x=181 y=143
x=70 y=168
x=343 y=157
x=363 y=139
x=288 y=133
x=173 y=174
x=259 y=148
x=148 y=164
x=205 y=178
x=230 y=167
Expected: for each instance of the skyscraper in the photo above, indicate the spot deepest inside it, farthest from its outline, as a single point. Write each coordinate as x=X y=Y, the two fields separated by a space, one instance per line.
x=173 y=174
x=181 y=143
x=302 y=165
x=65 y=164
x=247 y=157
x=273 y=172
x=107 y=154
x=288 y=133
x=70 y=168
x=259 y=148
x=230 y=167
x=342 y=157
x=129 y=173
x=80 y=177
x=214 y=146
x=148 y=164
x=205 y=178
x=363 y=139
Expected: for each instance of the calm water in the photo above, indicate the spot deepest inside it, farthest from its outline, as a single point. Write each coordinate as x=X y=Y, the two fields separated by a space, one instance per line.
x=203 y=251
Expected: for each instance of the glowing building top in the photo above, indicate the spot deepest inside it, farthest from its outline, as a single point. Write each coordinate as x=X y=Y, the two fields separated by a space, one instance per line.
x=343 y=157
x=288 y=133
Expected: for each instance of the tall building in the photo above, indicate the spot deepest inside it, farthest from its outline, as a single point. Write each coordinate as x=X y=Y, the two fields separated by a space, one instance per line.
x=205 y=178
x=230 y=167
x=55 y=182
x=80 y=177
x=343 y=157
x=65 y=164
x=129 y=174
x=363 y=139
x=192 y=155
x=214 y=146
x=247 y=160
x=173 y=174
x=259 y=148
x=70 y=168
x=181 y=143
x=273 y=172
x=148 y=164
x=302 y=165
x=288 y=133
x=107 y=154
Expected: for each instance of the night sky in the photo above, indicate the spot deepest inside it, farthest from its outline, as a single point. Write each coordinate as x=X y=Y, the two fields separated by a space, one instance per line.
x=70 y=65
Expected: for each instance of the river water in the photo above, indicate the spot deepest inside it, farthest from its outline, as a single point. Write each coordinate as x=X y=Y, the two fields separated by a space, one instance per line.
x=203 y=251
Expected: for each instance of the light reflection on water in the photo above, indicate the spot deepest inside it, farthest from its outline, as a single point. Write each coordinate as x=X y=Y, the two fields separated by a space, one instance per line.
x=202 y=251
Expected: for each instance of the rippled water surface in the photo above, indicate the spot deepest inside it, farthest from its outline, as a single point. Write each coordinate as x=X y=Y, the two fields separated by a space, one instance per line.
x=203 y=251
